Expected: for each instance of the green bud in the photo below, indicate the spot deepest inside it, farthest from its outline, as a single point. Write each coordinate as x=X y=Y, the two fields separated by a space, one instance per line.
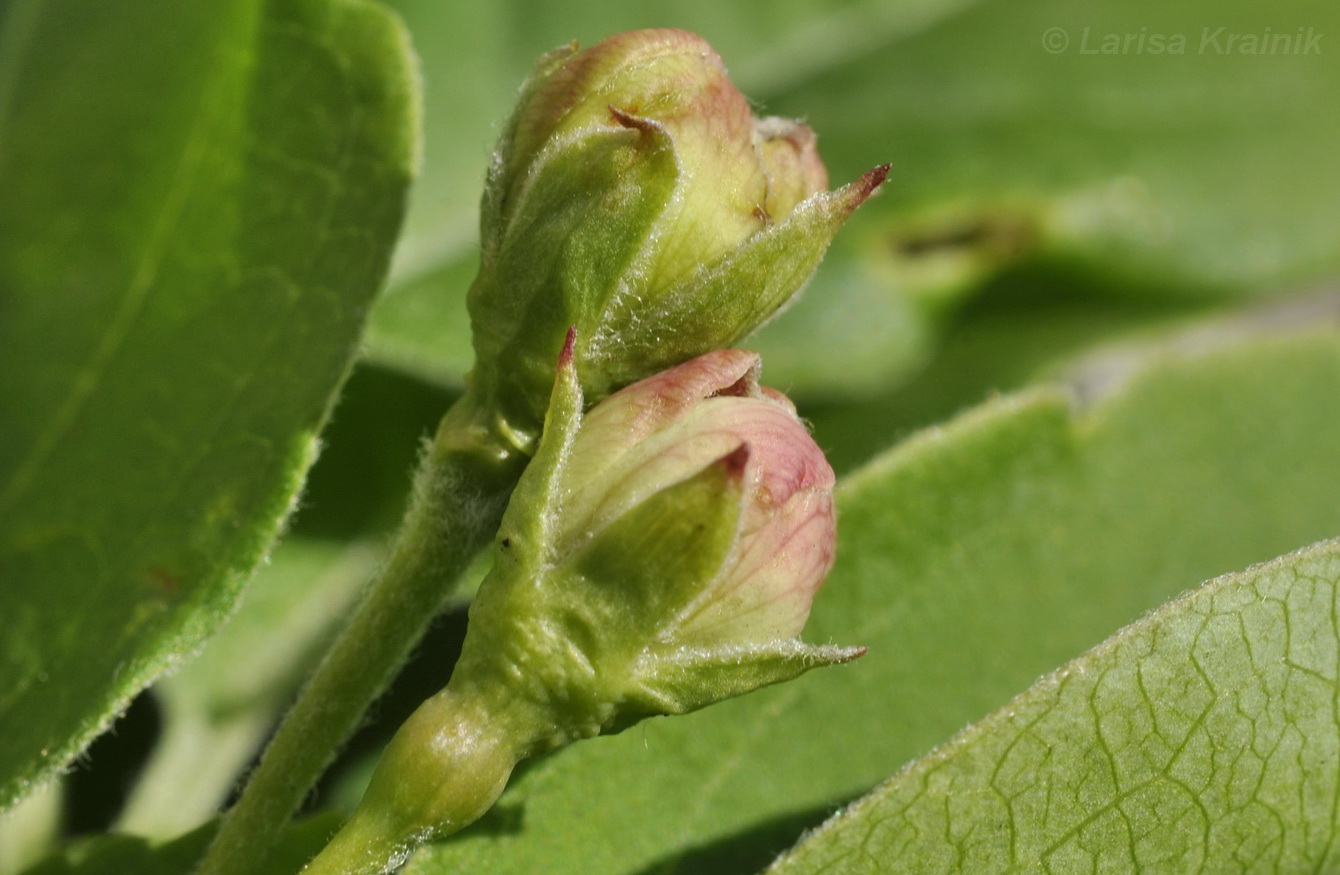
x=660 y=553
x=633 y=195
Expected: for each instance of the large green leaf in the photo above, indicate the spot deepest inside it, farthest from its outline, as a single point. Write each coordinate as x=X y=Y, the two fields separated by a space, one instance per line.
x=1018 y=334
x=1206 y=173
x=972 y=558
x=1202 y=739
x=197 y=204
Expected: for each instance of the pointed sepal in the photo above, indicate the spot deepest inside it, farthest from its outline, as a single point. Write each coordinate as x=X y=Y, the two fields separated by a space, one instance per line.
x=683 y=679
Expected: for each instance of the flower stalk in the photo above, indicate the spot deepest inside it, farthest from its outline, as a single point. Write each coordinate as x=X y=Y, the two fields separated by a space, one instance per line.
x=460 y=492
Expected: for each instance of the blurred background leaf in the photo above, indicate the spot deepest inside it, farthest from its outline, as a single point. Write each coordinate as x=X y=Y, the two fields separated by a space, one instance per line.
x=197 y=206
x=121 y=854
x=31 y=828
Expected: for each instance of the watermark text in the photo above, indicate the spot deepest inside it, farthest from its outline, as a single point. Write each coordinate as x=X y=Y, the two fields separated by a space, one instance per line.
x=1208 y=41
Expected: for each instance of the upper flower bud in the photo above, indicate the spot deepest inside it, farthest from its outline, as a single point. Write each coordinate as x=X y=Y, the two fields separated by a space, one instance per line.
x=633 y=194
x=660 y=553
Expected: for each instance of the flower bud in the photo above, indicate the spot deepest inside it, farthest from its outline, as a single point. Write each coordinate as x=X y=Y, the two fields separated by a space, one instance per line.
x=660 y=553
x=633 y=195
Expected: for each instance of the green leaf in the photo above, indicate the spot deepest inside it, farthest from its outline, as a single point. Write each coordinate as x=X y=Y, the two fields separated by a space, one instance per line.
x=972 y=558
x=218 y=708
x=1014 y=336
x=1201 y=739
x=197 y=204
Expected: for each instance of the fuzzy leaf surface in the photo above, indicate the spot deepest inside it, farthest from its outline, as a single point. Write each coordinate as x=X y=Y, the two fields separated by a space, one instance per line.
x=1201 y=739
x=197 y=206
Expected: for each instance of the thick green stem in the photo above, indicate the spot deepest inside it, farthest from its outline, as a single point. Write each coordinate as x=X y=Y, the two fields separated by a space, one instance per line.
x=460 y=492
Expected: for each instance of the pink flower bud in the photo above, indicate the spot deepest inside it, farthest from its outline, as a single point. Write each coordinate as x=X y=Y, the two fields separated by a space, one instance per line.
x=661 y=552
x=669 y=427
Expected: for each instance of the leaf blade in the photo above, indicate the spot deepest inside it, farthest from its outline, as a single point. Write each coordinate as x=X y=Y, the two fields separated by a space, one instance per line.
x=186 y=277
x=1197 y=739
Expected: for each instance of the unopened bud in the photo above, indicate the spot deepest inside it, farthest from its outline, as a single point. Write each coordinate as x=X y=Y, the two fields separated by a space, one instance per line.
x=634 y=195
x=661 y=552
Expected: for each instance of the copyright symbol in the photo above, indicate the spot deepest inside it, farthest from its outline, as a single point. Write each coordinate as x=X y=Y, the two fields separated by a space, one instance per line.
x=1055 y=40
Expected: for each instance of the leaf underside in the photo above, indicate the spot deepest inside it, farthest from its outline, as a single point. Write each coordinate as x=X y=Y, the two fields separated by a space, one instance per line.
x=1201 y=739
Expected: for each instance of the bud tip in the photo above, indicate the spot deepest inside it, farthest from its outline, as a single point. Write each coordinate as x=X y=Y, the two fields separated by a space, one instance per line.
x=629 y=120
x=871 y=180
x=569 y=348
x=853 y=654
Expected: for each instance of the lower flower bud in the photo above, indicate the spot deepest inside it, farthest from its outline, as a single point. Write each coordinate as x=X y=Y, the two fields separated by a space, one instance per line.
x=660 y=553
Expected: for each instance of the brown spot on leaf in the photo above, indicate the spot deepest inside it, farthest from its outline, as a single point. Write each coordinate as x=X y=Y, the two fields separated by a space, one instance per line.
x=167 y=583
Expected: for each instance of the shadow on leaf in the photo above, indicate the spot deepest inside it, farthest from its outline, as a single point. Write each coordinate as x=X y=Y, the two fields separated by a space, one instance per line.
x=749 y=850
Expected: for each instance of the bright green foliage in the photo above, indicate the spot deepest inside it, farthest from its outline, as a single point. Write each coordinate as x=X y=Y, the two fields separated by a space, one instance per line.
x=184 y=279
x=1201 y=739
x=971 y=559
x=197 y=202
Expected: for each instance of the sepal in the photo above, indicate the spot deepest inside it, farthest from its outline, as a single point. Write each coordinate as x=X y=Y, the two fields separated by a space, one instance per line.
x=683 y=679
